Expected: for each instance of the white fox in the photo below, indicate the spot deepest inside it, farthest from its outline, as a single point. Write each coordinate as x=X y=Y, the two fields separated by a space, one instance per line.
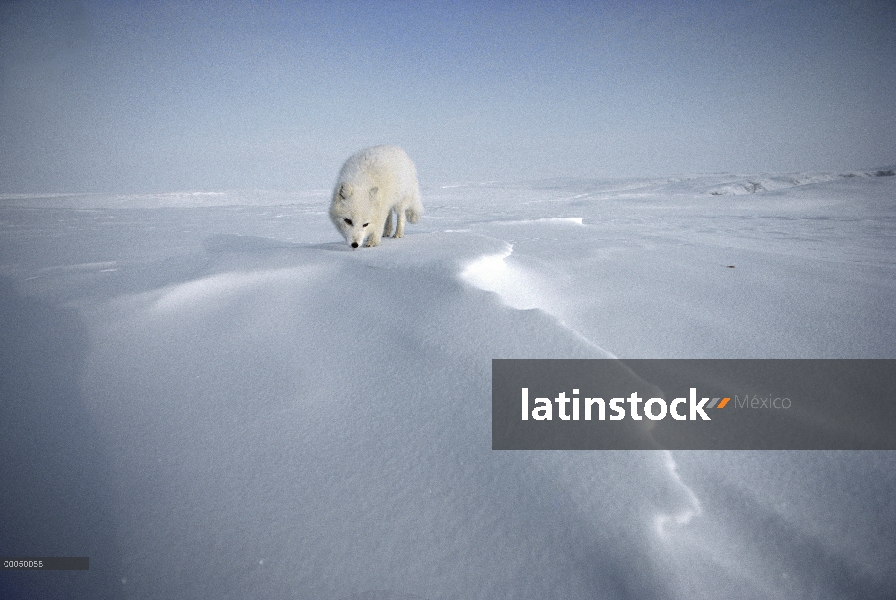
x=372 y=185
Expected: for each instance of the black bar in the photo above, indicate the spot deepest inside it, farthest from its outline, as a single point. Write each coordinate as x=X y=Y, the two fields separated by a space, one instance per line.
x=45 y=563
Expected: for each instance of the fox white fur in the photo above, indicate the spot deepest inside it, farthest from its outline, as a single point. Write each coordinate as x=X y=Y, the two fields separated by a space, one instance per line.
x=372 y=185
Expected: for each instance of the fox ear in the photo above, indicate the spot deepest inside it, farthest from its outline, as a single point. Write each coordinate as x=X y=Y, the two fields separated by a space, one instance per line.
x=345 y=190
x=373 y=191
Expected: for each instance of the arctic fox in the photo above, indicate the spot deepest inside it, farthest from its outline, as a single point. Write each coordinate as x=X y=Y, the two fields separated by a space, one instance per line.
x=372 y=184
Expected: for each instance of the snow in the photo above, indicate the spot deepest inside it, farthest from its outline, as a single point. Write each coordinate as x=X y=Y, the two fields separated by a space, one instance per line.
x=251 y=409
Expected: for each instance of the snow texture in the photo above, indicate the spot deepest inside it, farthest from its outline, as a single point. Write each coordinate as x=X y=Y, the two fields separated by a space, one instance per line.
x=212 y=396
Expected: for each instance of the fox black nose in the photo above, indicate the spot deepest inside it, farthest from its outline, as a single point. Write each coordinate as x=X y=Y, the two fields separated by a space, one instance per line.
x=354 y=244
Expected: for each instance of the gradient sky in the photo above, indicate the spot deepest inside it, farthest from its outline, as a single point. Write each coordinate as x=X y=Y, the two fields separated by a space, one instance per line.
x=156 y=96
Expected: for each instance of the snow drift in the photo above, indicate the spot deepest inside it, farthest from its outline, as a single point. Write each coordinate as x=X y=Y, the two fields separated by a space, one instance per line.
x=254 y=410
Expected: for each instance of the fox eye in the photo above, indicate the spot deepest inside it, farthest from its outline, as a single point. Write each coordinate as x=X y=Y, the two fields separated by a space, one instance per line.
x=365 y=224
x=347 y=221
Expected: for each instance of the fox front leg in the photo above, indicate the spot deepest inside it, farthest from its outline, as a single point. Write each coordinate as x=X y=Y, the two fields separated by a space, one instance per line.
x=373 y=239
x=387 y=231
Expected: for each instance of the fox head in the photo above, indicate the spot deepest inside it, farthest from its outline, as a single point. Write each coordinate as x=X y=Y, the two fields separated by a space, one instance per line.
x=353 y=212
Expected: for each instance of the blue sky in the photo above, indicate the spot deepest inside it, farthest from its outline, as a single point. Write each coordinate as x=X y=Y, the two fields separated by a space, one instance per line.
x=156 y=96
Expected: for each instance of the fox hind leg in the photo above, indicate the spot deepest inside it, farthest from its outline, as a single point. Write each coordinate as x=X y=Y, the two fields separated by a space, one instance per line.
x=399 y=229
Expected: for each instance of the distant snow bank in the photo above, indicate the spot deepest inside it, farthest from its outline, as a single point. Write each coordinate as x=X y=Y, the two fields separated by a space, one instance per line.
x=715 y=184
x=763 y=183
x=194 y=199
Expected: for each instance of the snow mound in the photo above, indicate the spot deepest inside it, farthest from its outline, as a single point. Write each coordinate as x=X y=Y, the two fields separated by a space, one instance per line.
x=260 y=401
